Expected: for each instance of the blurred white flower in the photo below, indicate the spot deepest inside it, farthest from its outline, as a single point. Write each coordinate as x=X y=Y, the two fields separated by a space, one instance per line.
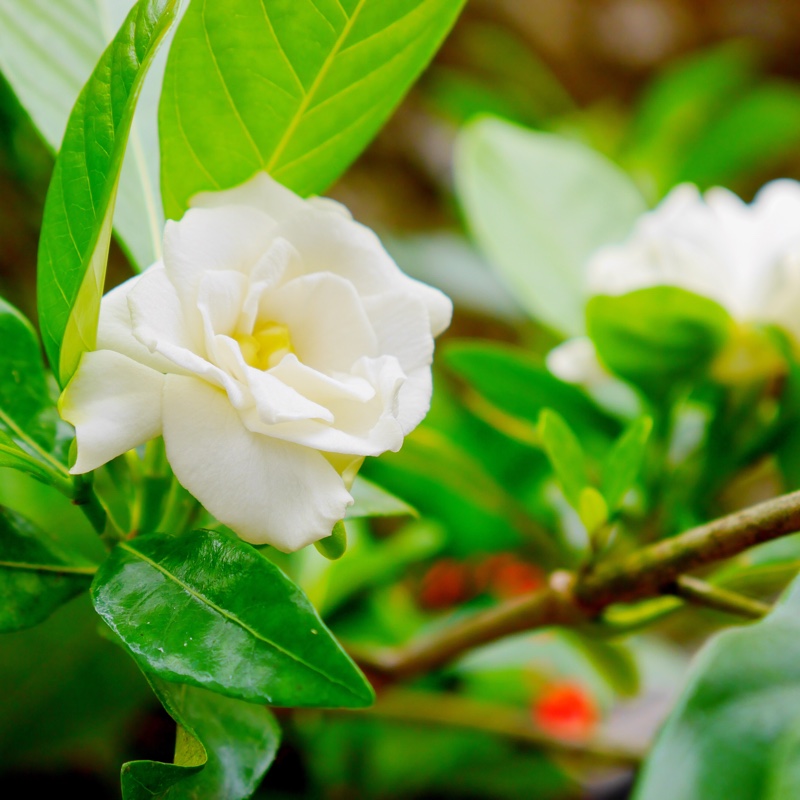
x=274 y=347
x=746 y=257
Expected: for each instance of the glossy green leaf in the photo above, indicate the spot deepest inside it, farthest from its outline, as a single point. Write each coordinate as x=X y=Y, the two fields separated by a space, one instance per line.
x=741 y=701
x=28 y=419
x=512 y=380
x=372 y=500
x=294 y=88
x=625 y=462
x=36 y=574
x=209 y=610
x=539 y=205
x=335 y=545
x=47 y=52
x=565 y=454
x=224 y=747
x=660 y=338
x=76 y=227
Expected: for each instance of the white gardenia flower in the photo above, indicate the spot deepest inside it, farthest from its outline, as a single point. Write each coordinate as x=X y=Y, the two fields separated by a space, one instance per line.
x=274 y=347
x=746 y=257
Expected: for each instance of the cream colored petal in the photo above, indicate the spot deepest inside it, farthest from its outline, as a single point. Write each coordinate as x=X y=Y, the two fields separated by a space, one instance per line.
x=268 y=491
x=114 y=404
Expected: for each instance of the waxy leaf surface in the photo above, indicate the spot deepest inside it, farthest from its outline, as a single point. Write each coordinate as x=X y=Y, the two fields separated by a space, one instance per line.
x=28 y=419
x=76 y=228
x=658 y=338
x=209 y=610
x=36 y=575
x=294 y=87
x=728 y=736
x=224 y=747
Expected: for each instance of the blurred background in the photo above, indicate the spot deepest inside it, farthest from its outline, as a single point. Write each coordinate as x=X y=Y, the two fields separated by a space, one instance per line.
x=704 y=91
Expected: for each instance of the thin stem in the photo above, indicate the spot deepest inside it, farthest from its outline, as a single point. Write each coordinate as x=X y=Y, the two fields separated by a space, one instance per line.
x=88 y=502
x=60 y=569
x=574 y=600
x=705 y=594
x=429 y=708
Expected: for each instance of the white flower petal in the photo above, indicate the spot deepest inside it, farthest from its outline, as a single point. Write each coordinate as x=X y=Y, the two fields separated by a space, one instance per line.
x=261 y=192
x=363 y=407
x=266 y=490
x=114 y=404
x=211 y=239
x=328 y=325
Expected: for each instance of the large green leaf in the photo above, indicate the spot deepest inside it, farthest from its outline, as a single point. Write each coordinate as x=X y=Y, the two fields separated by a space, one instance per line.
x=294 y=87
x=28 y=419
x=47 y=52
x=512 y=380
x=36 y=574
x=76 y=228
x=658 y=338
x=724 y=738
x=539 y=205
x=224 y=746
x=209 y=610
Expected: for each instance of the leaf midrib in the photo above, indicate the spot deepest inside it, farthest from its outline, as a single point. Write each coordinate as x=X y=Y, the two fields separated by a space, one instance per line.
x=232 y=617
x=313 y=89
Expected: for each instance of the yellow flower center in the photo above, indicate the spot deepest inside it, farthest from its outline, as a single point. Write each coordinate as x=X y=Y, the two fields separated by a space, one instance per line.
x=266 y=346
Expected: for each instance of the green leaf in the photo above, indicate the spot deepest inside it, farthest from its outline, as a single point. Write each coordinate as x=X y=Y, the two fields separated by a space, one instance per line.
x=209 y=610
x=539 y=205
x=224 y=747
x=28 y=417
x=76 y=227
x=783 y=779
x=614 y=661
x=333 y=546
x=47 y=80
x=741 y=700
x=679 y=106
x=372 y=500
x=625 y=461
x=294 y=88
x=36 y=574
x=746 y=138
x=512 y=380
x=659 y=339
x=565 y=454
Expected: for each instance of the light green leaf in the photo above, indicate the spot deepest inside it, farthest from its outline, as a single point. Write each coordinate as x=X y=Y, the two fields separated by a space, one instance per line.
x=47 y=52
x=659 y=338
x=625 y=461
x=224 y=747
x=741 y=701
x=207 y=609
x=28 y=419
x=297 y=89
x=36 y=574
x=539 y=205
x=372 y=500
x=76 y=228
x=565 y=454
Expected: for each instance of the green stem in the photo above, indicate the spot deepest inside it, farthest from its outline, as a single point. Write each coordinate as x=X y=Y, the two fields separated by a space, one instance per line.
x=575 y=600
x=705 y=594
x=88 y=502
